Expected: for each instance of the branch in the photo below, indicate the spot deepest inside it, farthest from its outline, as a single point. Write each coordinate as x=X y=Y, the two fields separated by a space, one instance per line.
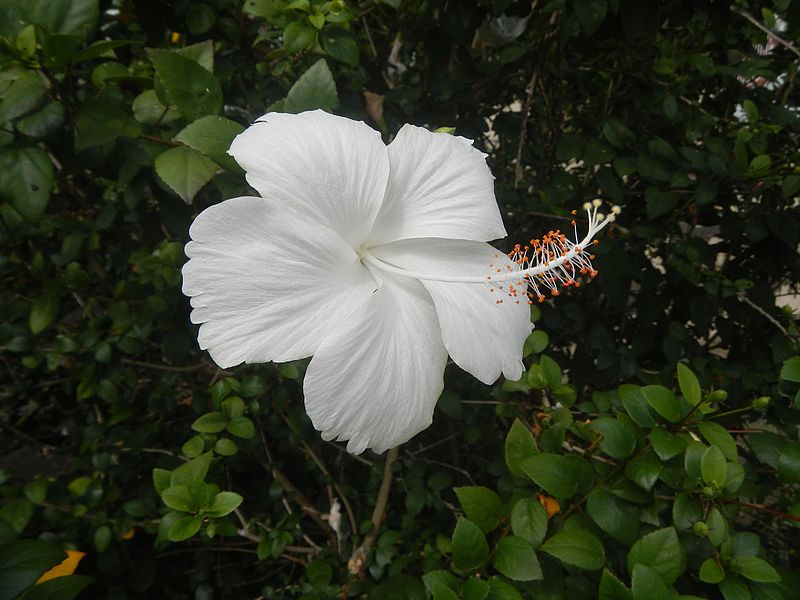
x=358 y=559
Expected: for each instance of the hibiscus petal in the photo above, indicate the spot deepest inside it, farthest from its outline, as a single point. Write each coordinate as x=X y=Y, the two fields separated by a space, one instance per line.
x=266 y=284
x=333 y=170
x=375 y=379
x=483 y=337
x=439 y=186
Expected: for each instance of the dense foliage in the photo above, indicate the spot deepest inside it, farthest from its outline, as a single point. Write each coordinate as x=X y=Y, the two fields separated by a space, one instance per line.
x=650 y=451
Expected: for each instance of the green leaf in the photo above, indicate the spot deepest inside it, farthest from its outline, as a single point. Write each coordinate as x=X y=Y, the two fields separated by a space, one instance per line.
x=224 y=503
x=298 y=36
x=185 y=171
x=644 y=469
x=148 y=109
x=184 y=528
x=711 y=571
x=791 y=370
x=232 y=407
x=314 y=89
x=17 y=513
x=339 y=43
x=529 y=521
x=470 y=550
x=193 y=471
x=102 y=538
x=717 y=527
x=647 y=584
x=515 y=558
x=212 y=422
x=26 y=179
x=520 y=444
x=440 y=578
x=22 y=96
x=591 y=13
x=481 y=505
x=60 y=16
x=212 y=136
x=161 y=479
x=65 y=587
x=190 y=87
x=36 y=490
x=714 y=467
x=667 y=445
x=755 y=569
x=43 y=311
x=576 y=547
x=616 y=517
x=475 y=589
x=102 y=121
x=789 y=463
x=178 y=497
x=661 y=551
x=636 y=405
x=690 y=387
x=242 y=427
x=22 y=562
x=535 y=343
x=611 y=588
x=502 y=590
x=226 y=447
x=441 y=592
x=554 y=473
x=718 y=436
x=619 y=440
x=734 y=588
x=663 y=402
x=193 y=447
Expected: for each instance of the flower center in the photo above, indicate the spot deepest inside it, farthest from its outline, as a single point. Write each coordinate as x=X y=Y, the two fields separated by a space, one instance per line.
x=547 y=264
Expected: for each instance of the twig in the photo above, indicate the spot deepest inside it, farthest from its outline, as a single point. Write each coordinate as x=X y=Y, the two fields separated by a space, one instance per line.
x=762 y=508
x=523 y=131
x=786 y=44
x=742 y=298
x=185 y=369
x=358 y=559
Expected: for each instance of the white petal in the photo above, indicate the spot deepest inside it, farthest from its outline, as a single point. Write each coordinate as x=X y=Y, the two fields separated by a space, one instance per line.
x=332 y=169
x=439 y=186
x=483 y=337
x=375 y=379
x=266 y=284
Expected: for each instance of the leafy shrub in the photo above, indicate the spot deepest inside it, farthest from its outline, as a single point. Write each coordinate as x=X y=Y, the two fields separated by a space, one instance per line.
x=668 y=440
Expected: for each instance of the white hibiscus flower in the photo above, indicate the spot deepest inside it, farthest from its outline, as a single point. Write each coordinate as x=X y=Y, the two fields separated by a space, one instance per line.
x=370 y=258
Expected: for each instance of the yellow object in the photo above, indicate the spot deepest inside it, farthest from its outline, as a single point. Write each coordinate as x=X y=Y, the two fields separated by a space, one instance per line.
x=551 y=505
x=65 y=567
x=175 y=37
x=128 y=534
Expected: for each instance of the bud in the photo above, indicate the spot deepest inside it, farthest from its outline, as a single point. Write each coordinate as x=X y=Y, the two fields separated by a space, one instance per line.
x=709 y=492
x=761 y=403
x=700 y=529
x=717 y=396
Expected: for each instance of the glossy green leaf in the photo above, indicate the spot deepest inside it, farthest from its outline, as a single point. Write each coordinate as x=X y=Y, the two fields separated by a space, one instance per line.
x=185 y=171
x=65 y=587
x=616 y=517
x=212 y=136
x=755 y=569
x=553 y=473
x=690 y=387
x=611 y=588
x=576 y=547
x=647 y=584
x=470 y=550
x=212 y=422
x=515 y=558
x=314 y=89
x=529 y=521
x=519 y=445
x=191 y=88
x=26 y=180
x=660 y=550
x=714 y=467
x=481 y=505
x=663 y=401
x=718 y=436
x=619 y=440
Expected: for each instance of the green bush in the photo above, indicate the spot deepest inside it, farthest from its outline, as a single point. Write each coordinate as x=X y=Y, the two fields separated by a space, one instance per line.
x=661 y=423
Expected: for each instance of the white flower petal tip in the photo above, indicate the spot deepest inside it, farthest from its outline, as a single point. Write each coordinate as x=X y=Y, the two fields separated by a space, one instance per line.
x=372 y=260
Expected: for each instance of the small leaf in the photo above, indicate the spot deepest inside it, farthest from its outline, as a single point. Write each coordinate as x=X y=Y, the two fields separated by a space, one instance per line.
x=611 y=588
x=481 y=505
x=552 y=472
x=224 y=503
x=529 y=521
x=619 y=440
x=185 y=171
x=690 y=387
x=667 y=445
x=193 y=471
x=242 y=427
x=576 y=547
x=226 y=447
x=339 y=43
x=714 y=467
x=190 y=87
x=43 y=311
x=520 y=444
x=212 y=422
x=644 y=469
x=663 y=402
x=711 y=572
x=537 y=341
x=211 y=135
x=161 y=478
x=26 y=179
x=661 y=551
x=515 y=558
x=791 y=370
x=470 y=550
x=178 y=497
x=194 y=447
x=314 y=89
x=184 y=528
x=756 y=569
x=636 y=405
x=718 y=436
x=789 y=463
